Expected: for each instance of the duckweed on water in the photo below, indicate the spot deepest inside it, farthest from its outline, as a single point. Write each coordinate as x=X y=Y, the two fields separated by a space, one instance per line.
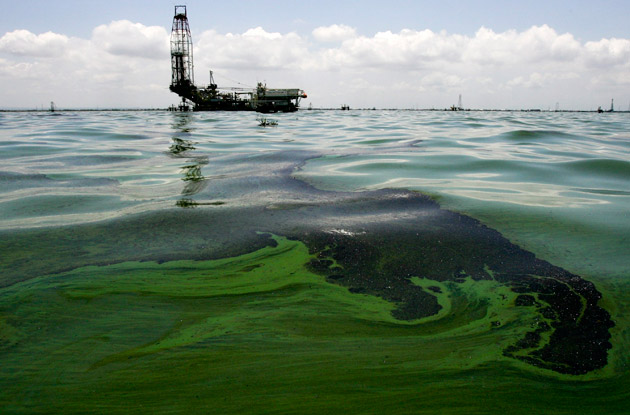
x=358 y=315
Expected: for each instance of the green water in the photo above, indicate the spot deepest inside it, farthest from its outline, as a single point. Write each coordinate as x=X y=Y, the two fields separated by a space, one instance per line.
x=259 y=333
x=174 y=263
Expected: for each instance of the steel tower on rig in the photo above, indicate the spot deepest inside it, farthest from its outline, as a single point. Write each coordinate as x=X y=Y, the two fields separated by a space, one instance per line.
x=182 y=74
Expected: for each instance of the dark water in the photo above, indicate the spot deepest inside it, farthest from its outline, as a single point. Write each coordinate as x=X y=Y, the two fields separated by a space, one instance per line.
x=363 y=261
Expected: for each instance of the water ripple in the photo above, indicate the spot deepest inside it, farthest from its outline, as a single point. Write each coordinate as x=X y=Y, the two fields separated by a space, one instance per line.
x=526 y=159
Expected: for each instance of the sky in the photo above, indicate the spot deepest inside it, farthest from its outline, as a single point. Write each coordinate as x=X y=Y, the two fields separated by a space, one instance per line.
x=552 y=54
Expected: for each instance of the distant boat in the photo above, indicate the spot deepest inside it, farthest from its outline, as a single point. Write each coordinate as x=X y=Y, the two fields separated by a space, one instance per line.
x=345 y=107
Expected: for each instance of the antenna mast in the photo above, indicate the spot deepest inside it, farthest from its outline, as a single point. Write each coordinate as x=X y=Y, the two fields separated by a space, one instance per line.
x=181 y=50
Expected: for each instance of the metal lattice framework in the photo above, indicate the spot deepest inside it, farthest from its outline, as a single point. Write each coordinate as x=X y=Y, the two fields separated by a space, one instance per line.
x=181 y=50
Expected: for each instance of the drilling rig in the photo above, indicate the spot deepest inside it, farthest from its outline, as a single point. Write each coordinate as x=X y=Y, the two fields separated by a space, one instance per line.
x=213 y=98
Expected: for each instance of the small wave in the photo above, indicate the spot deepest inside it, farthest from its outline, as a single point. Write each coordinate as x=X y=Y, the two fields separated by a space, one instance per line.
x=601 y=167
x=92 y=160
x=605 y=192
x=55 y=205
x=16 y=181
x=535 y=134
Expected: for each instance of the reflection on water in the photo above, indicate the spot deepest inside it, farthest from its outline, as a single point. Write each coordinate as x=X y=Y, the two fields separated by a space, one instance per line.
x=195 y=181
x=182 y=147
x=179 y=145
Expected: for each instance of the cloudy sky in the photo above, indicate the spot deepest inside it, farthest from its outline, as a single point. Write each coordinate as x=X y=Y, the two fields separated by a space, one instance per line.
x=385 y=54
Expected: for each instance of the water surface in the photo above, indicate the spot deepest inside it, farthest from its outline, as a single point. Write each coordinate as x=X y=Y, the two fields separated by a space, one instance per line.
x=199 y=261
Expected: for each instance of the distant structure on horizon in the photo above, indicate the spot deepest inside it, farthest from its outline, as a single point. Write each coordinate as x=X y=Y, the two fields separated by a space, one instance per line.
x=459 y=106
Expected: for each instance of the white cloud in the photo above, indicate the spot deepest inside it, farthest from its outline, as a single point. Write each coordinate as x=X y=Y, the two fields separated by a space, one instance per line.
x=19 y=70
x=334 y=33
x=125 y=38
x=537 y=44
x=254 y=49
x=85 y=72
x=441 y=80
x=425 y=48
x=406 y=49
x=608 y=52
x=540 y=80
x=25 y=43
x=542 y=43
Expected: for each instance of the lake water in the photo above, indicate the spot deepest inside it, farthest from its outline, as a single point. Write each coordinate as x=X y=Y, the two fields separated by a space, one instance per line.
x=358 y=261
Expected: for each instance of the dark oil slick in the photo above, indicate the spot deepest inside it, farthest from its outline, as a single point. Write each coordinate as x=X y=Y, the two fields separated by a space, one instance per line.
x=426 y=241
